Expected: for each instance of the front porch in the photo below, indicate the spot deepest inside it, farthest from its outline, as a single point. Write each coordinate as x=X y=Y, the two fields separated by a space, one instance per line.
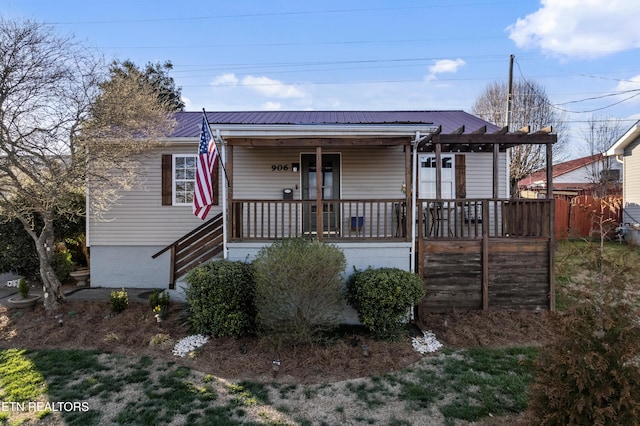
x=471 y=253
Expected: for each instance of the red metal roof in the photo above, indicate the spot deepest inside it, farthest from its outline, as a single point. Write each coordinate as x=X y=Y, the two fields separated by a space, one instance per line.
x=188 y=122
x=560 y=169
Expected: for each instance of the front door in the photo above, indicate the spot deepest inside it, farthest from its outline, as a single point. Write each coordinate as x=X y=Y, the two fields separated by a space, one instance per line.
x=330 y=191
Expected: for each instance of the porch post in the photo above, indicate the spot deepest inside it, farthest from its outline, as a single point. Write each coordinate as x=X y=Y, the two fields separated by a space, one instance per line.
x=229 y=185
x=552 y=228
x=319 y=183
x=496 y=180
x=408 y=219
x=438 y=171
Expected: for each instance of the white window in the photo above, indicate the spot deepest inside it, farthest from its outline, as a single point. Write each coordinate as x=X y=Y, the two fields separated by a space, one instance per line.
x=184 y=179
x=427 y=172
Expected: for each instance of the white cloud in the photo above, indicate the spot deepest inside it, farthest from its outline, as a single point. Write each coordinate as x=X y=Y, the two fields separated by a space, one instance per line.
x=629 y=89
x=444 y=66
x=263 y=85
x=579 y=28
x=271 y=106
x=270 y=87
x=354 y=96
x=228 y=79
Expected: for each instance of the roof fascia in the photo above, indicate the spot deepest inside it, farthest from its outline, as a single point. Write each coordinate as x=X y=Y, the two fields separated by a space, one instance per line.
x=625 y=140
x=312 y=130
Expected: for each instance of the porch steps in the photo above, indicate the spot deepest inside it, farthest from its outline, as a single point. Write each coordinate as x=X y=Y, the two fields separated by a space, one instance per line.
x=198 y=246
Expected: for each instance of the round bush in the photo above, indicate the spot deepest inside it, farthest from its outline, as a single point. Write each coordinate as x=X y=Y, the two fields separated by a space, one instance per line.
x=220 y=295
x=299 y=289
x=383 y=296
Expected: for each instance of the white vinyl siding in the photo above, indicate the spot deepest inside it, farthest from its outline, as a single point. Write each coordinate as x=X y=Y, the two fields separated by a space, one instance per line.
x=366 y=173
x=479 y=175
x=138 y=218
x=631 y=183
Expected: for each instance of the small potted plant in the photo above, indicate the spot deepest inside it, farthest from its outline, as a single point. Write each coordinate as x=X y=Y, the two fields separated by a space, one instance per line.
x=25 y=299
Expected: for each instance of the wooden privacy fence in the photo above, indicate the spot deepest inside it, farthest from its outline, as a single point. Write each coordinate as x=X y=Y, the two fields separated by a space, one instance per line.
x=579 y=217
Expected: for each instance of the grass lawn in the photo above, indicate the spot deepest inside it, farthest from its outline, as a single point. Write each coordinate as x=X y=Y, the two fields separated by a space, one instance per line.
x=92 y=388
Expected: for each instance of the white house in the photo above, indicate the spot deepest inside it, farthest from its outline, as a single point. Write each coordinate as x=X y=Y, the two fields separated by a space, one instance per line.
x=626 y=150
x=345 y=177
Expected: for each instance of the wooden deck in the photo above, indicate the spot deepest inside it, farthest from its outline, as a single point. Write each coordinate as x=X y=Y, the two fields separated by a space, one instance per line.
x=471 y=253
x=499 y=257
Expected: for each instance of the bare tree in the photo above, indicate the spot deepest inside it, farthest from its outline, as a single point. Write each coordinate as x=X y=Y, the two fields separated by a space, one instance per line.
x=601 y=133
x=55 y=125
x=530 y=107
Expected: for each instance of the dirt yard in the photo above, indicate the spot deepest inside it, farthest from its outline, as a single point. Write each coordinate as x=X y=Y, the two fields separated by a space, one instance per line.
x=91 y=325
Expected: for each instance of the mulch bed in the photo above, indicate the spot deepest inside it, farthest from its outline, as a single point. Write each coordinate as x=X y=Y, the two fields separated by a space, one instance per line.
x=92 y=325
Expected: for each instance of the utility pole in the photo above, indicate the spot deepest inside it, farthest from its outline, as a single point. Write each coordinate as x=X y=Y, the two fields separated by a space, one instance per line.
x=507 y=120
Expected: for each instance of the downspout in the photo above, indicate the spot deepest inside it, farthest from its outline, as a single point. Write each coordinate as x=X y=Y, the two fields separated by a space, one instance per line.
x=223 y=159
x=414 y=196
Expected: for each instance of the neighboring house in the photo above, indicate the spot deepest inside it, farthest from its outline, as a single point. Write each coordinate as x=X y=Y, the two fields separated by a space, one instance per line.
x=591 y=175
x=626 y=150
x=344 y=177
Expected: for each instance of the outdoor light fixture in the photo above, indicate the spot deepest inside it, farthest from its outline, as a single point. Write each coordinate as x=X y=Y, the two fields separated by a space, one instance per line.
x=275 y=366
x=365 y=350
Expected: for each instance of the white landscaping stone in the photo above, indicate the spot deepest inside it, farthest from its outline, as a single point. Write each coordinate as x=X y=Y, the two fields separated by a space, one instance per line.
x=426 y=344
x=189 y=343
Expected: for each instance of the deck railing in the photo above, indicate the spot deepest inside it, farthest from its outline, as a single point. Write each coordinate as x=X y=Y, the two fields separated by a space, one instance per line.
x=341 y=219
x=386 y=219
x=473 y=218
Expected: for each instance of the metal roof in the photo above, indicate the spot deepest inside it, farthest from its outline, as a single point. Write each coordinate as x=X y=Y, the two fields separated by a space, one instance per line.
x=188 y=123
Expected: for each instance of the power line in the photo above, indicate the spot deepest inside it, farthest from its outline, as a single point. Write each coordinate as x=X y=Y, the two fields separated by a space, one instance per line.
x=556 y=106
x=271 y=14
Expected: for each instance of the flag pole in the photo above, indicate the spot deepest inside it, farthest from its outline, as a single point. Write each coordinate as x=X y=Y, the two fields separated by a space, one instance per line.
x=222 y=158
x=220 y=150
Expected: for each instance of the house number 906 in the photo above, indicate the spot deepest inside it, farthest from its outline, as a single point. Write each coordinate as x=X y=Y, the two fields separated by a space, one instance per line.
x=279 y=167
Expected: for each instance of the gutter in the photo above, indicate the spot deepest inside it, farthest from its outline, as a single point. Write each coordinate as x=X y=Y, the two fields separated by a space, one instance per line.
x=280 y=131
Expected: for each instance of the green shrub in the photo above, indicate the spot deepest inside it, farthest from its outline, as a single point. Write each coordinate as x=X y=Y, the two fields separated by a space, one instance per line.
x=591 y=374
x=220 y=296
x=62 y=263
x=23 y=288
x=382 y=297
x=299 y=289
x=118 y=300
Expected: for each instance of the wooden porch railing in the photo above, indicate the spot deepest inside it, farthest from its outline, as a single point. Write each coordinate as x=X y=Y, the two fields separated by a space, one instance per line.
x=473 y=218
x=196 y=247
x=342 y=219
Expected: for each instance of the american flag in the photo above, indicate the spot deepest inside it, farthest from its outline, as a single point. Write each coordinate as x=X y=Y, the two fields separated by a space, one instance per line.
x=207 y=158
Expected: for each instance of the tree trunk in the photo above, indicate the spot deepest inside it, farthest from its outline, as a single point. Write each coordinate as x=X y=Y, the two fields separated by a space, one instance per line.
x=51 y=286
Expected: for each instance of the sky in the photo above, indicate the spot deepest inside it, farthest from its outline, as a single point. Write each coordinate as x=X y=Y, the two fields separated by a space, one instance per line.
x=369 y=55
